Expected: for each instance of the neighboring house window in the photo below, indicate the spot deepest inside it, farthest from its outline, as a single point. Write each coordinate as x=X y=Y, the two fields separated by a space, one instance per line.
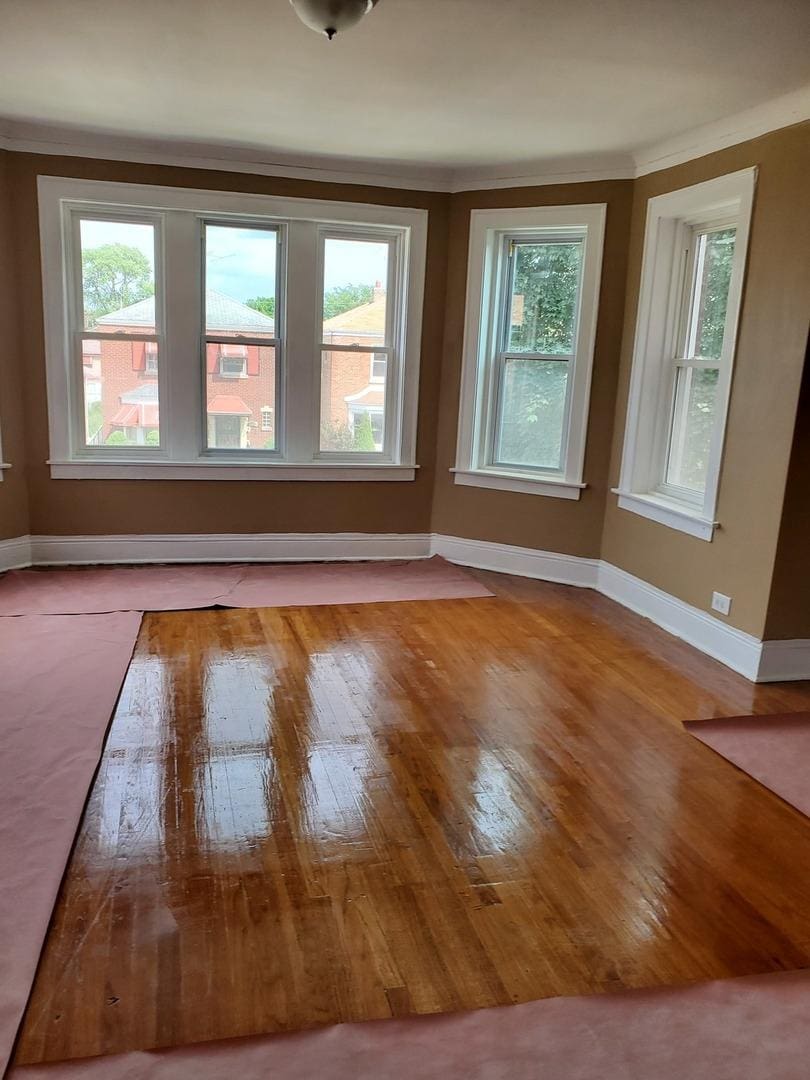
x=233 y=361
x=532 y=299
x=151 y=358
x=378 y=365
x=256 y=287
x=694 y=260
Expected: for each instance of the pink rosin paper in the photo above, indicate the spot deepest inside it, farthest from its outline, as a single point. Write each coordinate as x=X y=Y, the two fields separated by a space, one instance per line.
x=173 y=588
x=59 y=680
x=754 y=1028
x=775 y=750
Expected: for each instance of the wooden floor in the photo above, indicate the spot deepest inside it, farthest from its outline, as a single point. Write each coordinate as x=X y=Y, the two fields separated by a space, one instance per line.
x=311 y=815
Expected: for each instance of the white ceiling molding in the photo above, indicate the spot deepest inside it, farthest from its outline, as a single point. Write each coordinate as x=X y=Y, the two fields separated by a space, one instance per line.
x=71 y=142
x=778 y=113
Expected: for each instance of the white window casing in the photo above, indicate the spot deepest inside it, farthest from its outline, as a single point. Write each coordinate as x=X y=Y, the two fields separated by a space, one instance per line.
x=179 y=216
x=666 y=317
x=491 y=234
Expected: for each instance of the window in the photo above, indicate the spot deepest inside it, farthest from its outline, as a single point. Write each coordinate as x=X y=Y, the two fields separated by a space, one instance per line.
x=694 y=260
x=357 y=340
x=207 y=335
x=532 y=297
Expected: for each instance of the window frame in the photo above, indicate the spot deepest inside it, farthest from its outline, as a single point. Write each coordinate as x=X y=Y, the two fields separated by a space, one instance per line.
x=182 y=453
x=485 y=322
x=674 y=221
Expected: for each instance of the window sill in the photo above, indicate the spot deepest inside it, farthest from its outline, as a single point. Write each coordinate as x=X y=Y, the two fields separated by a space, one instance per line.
x=528 y=485
x=667 y=512
x=242 y=470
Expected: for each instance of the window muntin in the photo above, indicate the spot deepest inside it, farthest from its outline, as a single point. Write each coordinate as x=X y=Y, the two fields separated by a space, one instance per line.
x=358 y=355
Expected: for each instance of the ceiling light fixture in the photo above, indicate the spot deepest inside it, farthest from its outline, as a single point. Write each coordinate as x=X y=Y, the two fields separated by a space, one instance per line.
x=329 y=16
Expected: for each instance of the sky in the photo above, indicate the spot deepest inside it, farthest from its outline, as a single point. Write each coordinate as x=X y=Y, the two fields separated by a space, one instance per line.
x=242 y=262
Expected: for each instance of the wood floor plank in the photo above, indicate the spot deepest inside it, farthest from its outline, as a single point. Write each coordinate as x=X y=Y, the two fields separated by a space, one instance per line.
x=312 y=815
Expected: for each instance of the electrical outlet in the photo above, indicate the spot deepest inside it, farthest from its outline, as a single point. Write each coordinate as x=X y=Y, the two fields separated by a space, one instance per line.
x=721 y=603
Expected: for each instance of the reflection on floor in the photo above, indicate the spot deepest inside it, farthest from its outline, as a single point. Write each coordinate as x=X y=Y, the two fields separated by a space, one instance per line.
x=320 y=814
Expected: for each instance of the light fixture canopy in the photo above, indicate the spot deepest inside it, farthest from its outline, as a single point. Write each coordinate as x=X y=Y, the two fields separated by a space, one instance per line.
x=330 y=16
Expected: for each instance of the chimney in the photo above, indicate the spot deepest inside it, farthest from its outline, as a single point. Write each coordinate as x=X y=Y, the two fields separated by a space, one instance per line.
x=379 y=291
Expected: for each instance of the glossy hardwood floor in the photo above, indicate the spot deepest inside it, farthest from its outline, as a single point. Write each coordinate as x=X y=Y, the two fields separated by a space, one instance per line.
x=311 y=815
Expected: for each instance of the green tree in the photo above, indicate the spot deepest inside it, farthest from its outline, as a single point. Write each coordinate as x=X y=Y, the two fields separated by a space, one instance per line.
x=342 y=298
x=265 y=304
x=545 y=293
x=113 y=276
x=363 y=434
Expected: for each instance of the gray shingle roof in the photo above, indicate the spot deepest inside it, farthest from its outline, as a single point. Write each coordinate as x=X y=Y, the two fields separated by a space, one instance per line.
x=223 y=314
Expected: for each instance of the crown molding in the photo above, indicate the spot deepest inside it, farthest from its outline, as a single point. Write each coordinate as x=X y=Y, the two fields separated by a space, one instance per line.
x=35 y=138
x=778 y=113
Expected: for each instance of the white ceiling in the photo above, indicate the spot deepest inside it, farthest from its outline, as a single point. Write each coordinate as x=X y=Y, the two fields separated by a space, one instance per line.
x=456 y=84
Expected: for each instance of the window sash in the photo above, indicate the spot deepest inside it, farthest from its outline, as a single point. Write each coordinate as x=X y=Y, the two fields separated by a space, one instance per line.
x=390 y=347
x=277 y=342
x=491 y=409
x=77 y=403
x=670 y=423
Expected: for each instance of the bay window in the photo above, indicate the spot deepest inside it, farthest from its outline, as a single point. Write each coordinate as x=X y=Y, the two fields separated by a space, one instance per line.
x=203 y=334
x=532 y=298
x=694 y=259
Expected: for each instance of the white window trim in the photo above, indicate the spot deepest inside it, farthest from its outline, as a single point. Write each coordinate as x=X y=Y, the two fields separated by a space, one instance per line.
x=668 y=215
x=483 y=279
x=181 y=454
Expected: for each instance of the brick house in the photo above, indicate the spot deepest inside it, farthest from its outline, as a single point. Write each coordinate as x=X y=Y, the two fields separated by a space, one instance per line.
x=121 y=386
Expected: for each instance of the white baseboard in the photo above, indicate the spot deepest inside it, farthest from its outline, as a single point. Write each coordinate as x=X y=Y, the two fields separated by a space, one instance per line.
x=15 y=552
x=525 y=562
x=242 y=547
x=759 y=661
x=732 y=647
x=784 y=661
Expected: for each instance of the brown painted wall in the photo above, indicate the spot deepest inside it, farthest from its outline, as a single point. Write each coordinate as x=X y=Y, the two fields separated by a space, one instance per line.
x=789 y=606
x=13 y=491
x=69 y=507
x=770 y=353
x=508 y=517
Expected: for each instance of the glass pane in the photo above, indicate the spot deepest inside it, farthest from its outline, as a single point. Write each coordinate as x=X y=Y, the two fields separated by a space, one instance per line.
x=118 y=276
x=532 y=411
x=715 y=256
x=352 y=403
x=544 y=301
x=355 y=273
x=120 y=392
x=692 y=427
x=240 y=386
x=240 y=281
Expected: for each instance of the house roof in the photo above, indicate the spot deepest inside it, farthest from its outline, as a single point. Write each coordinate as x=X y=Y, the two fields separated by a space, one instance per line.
x=136 y=416
x=366 y=319
x=222 y=312
x=145 y=393
x=227 y=405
